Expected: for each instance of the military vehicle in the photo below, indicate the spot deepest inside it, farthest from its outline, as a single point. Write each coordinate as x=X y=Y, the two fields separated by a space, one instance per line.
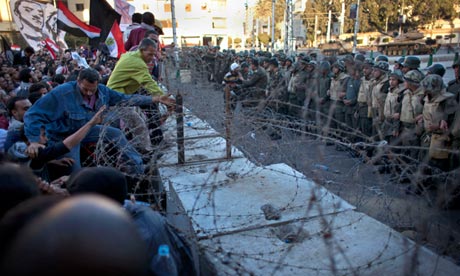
x=335 y=48
x=410 y=43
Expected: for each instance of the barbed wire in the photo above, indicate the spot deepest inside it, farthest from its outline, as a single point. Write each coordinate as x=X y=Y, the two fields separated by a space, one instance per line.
x=353 y=172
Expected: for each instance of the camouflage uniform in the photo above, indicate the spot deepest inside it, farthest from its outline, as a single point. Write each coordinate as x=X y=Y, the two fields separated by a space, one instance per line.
x=411 y=108
x=364 y=106
x=439 y=106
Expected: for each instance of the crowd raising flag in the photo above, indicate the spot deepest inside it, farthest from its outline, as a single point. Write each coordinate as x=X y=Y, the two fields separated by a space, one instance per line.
x=68 y=22
x=114 y=41
x=102 y=15
x=52 y=47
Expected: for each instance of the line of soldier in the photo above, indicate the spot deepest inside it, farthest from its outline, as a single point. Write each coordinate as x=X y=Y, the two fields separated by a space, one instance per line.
x=359 y=99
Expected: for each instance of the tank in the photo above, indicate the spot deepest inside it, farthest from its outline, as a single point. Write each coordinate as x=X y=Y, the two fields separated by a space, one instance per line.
x=410 y=43
x=335 y=48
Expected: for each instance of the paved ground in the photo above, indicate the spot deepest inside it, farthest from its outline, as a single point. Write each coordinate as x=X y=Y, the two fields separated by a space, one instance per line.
x=348 y=176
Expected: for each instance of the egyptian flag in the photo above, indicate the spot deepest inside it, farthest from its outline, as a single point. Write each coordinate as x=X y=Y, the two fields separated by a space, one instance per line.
x=102 y=15
x=68 y=22
x=114 y=41
x=52 y=47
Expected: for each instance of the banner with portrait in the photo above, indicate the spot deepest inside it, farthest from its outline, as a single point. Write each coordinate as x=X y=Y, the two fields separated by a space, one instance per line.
x=36 y=21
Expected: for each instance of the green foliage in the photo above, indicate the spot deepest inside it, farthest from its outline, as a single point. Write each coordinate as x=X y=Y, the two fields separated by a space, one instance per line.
x=74 y=41
x=264 y=38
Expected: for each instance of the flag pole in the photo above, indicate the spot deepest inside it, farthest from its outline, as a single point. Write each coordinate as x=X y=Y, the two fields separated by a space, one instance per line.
x=176 y=50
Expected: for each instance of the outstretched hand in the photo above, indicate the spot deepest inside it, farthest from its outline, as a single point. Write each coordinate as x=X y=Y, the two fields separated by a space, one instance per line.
x=98 y=117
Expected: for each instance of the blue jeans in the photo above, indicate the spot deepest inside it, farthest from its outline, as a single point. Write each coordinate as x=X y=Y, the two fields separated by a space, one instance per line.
x=131 y=159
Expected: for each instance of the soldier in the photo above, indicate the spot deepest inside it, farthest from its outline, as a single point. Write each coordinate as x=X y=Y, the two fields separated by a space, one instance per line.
x=454 y=85
x=254 y=88
x=311 y=96
x=276 y=88
x=398 y=66
x=351 y=96
x=364 y=106
x=380 y=86
x=288 y=68
x=412 y=63
x=245 y=70
x=438 y=113
x=337 y=93
x=323 y=86
x=298 y=86
x=392 y=109
x=437 y=69
x=411 y=113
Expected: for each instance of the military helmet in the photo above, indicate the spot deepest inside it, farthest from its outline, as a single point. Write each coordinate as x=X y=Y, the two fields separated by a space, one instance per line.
x=339 y=64
x=273 y=61
x=437 y=69
x=412 y=62
x=290 y=59
x=348 y=58
x=414 y=76
x=244 y=65
x=360 y=57
x=255 y=61
x=304 y=60
x=313 y=63
x=400 y=61
x=381 y=58
x=369 y=62
x=383 y=66
x=433 y=84
x=398 y=75
x=325 y=65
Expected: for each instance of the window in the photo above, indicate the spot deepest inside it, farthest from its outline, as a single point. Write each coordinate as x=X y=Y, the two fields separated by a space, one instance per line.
x=219 y=22
x=167 y=7
x=79 y=7
x=188 y=7
x=145 y=7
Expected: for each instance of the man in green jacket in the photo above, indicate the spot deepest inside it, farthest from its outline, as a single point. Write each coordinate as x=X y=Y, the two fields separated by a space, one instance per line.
x=130 y=74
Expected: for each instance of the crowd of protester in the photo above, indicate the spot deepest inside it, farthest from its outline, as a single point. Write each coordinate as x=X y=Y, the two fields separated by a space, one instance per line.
x=68 y=128
x=54 y=111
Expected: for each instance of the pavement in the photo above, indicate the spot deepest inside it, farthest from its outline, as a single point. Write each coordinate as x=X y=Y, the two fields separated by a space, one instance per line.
x=217 y=203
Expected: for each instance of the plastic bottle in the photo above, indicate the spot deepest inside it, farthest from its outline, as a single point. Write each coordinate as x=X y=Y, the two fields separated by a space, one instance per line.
x=163 y=264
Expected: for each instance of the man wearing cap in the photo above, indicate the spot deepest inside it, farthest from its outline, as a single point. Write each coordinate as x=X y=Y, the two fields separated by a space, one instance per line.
x=379 y=93
x=411 y=113
x=364 y=106
x=232 y=79
x=438 y=114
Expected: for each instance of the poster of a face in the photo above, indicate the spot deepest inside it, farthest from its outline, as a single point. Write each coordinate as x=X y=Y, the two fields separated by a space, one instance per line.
x=36 y=21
